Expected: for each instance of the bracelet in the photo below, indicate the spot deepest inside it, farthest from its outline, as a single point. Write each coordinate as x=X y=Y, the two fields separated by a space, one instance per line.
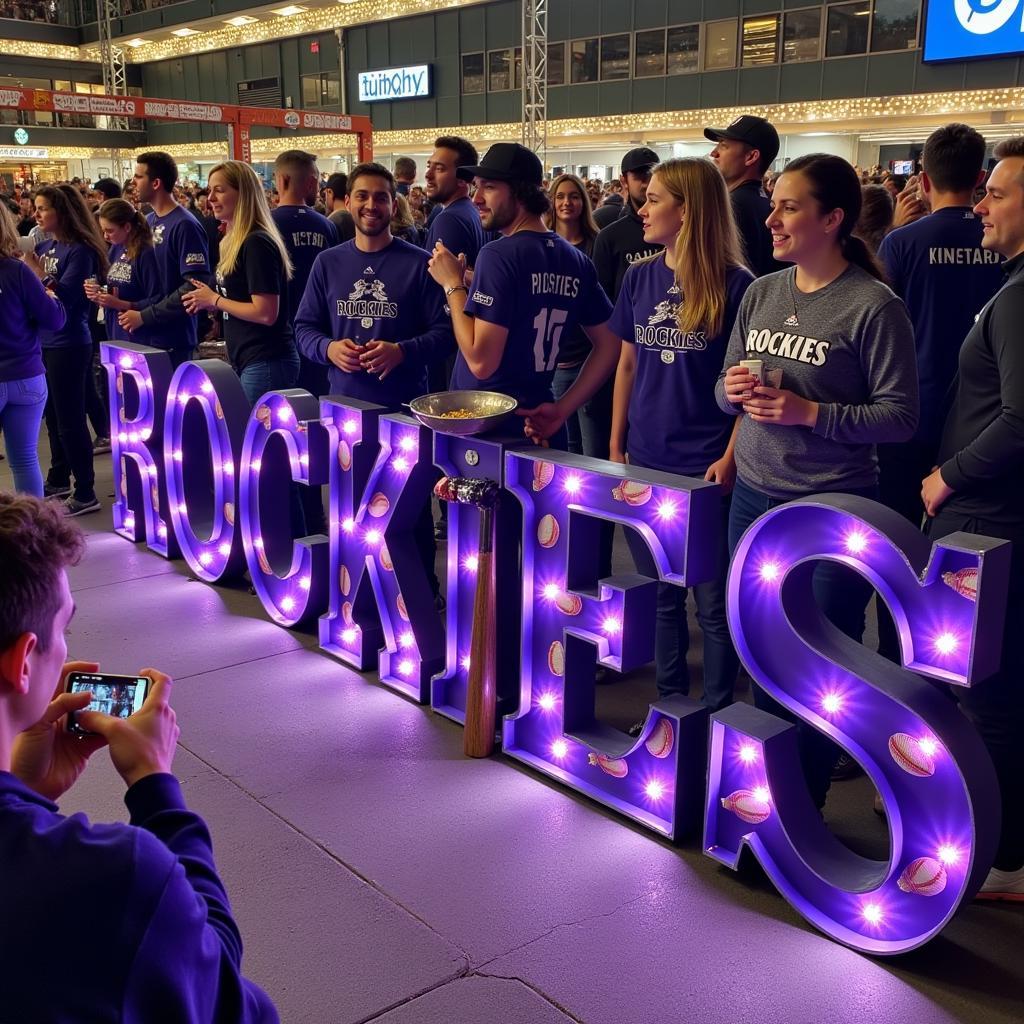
x=455 y=288
x=216 y=302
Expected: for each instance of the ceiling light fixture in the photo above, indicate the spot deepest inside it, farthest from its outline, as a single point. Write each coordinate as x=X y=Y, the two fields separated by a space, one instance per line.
x=287 y=12
x=136 y=43
x=240 y=20
x=182 y=32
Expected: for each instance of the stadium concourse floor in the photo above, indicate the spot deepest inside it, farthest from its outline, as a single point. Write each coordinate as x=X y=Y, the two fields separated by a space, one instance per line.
x=378 y=875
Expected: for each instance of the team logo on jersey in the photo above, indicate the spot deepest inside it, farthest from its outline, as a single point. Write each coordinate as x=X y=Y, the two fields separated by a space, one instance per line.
x=368 y=300
x=368 y=271
x=791 y=321
x=194 y=258
x=664 y=310
x=158 y=234
x=483 y=300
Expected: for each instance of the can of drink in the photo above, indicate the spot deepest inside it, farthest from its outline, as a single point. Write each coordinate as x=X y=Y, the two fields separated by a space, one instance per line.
x=755 y=367
x=94 y=280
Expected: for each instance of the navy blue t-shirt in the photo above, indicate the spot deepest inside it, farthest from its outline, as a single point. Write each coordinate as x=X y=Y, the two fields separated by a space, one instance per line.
x=539 y=287
x=25 y=311
x=458 y=227
x=939 y=269
x=70 y=264
x=138 y=282
x=375 y=296
x=306 y=234
x=675 y=424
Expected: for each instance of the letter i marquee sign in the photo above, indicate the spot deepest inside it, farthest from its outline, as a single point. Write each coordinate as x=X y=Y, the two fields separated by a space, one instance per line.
x=199 y=476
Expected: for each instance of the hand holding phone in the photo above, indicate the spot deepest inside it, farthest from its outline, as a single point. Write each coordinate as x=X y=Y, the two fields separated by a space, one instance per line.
x=118 y=696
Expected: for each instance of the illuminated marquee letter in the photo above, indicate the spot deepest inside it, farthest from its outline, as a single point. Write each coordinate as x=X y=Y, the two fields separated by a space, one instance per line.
x=922 y=754
x=651 y=778
x=138 y=378
x=380 y=599
x=476 y=458
x=205 y=423
x=284 y=442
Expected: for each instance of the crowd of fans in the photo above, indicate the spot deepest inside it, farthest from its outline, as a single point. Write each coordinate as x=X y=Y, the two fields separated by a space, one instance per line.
x=623 y=318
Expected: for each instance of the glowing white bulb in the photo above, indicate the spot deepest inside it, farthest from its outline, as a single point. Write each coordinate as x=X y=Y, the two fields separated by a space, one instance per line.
x=304 y=583
x=551 y=591
x=372 y=536
x=573 y=484
x=407 y=443
x=133 y=436
x=748 y=754
x=145 y=433
x=304 y=459
x=183 y=509
x=348 y=636
x=928 y=746
x=465 y=663
x=406 y=639
x=667 y=510
x=206 y=387
x=856 y=542
x=287 y=603
x=546 y=701
x=152 y=470
x=401 y=465
x=161 y=530
x=183 y=397
x=762 y=794
x=769 y=571
x=177 y=455
x=611 y=626
x=949 y=854
x=228 y=467
x=559 y=749
x=654 y=789
x=225 y=549
x=349 y=426
x=122 y=437
x=471 y=563
x=872 y=913
x=125 y=361
x=348 y=525
x=405 y=667
x=254 y=465
x=946 y=643
x=832 y=703
x=258 y=543
x=284 y=414
x=205 y=558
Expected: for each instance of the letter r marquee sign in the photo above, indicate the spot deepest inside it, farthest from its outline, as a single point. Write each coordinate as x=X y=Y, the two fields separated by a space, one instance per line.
x=199 y=476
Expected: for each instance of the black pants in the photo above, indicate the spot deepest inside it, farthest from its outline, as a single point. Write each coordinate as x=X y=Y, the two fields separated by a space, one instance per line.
x=96 y=398
x=996 y=706
x=901 y=468
x=67 y=374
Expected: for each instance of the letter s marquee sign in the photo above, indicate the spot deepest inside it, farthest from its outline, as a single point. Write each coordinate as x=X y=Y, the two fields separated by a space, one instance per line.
x=197 y=473
x=967 y=29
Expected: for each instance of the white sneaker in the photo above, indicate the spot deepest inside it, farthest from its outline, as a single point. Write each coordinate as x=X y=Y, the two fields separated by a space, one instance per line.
x=1003 y=885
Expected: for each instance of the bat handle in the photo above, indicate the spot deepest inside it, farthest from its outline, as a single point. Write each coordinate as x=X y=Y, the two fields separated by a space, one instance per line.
x=481 y=686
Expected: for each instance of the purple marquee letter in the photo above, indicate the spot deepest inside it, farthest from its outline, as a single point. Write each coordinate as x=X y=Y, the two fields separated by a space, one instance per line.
x=380 y=599
x=924 y=757
x=138 y=378
x=206 y=416
x=651 y=779
x=284 y=443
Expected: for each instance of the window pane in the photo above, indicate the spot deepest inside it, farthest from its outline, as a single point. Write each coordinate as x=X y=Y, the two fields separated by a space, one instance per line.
x=311 y=90
x=683 y=49
x=650 y=53
x=614 y=57
x=556 y=63
x=720 y=44
x=472 y=72
x=583 y=57
x=847 y=30
x=330 y=89
x=761 y=40
x=801 y=35
x=895 y=25
x=499 y=70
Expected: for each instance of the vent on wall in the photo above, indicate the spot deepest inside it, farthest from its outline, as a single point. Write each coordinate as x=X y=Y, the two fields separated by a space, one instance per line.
x=260 y=92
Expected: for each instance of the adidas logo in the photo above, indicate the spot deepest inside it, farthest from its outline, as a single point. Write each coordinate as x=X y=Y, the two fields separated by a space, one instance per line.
x=791 y=321
x=369 y=270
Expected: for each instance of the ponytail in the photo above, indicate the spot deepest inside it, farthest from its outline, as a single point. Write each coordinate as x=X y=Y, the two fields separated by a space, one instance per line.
x=857 y=252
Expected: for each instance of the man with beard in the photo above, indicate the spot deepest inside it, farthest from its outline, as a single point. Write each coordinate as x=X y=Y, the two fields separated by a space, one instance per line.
x=529 y=289
x=181 y=253
x=372 y=314
x=457 y=223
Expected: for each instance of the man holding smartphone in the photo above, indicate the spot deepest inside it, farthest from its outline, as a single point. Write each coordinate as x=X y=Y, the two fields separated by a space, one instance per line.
x=145 y=896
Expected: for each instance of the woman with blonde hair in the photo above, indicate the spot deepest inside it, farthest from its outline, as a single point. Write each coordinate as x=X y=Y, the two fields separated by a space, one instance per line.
x=25 y=309
x=674 y=314
x=572 y=217
x=252 y=281
x=133 y=280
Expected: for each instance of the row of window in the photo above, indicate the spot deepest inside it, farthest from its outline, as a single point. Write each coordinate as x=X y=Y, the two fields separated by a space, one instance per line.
x=839 y=30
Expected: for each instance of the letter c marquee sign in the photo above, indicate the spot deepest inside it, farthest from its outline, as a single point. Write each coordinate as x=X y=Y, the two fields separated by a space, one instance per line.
x=196 y=472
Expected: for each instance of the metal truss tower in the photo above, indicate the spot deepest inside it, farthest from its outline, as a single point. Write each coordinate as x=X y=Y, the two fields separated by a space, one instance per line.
x=115 y=82
x=535 y=76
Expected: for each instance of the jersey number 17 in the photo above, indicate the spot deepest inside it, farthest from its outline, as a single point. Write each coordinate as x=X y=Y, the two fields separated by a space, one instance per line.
x=548 y=324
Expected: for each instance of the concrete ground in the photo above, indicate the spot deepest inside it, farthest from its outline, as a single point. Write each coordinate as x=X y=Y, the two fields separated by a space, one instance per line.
x=378 y=875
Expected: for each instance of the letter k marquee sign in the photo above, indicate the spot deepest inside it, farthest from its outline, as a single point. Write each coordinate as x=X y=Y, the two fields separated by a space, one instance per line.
x=394 y=84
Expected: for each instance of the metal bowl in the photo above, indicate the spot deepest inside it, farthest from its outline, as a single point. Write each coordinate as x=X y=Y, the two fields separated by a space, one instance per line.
x=487 y=409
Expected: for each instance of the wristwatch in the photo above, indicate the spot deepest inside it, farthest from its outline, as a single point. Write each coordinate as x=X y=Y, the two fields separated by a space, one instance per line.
x=455 y=288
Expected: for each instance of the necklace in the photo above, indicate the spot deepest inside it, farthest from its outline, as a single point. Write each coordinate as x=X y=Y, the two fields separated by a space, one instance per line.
x=794 y=320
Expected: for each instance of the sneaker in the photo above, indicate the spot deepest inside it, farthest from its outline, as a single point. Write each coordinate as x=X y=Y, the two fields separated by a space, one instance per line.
x=1003 y=885
x=846 y=768
x=101 y=446
x=56 y=491
x=74 y=507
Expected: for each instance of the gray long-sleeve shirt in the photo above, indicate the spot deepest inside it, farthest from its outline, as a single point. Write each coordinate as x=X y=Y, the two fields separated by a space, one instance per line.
x=848 y=346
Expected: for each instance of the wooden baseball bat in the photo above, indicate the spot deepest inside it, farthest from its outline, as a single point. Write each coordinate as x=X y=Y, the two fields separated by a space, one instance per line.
x=481 y=694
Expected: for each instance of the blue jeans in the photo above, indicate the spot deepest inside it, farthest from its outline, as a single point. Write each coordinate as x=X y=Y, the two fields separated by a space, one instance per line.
x=271 y=375
x=672 y=633
x=21 y=412
x=842 y=595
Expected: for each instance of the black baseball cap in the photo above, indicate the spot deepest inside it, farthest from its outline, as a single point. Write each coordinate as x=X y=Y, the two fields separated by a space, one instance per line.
x=506 y=161
x=109 y=188
x=338 y=183
x=754 y=131
x=639 y=159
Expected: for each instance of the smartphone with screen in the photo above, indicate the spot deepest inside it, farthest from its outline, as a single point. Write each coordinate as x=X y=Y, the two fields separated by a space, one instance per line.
x=26 y=245
x=115 y=695
x=903 y=167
